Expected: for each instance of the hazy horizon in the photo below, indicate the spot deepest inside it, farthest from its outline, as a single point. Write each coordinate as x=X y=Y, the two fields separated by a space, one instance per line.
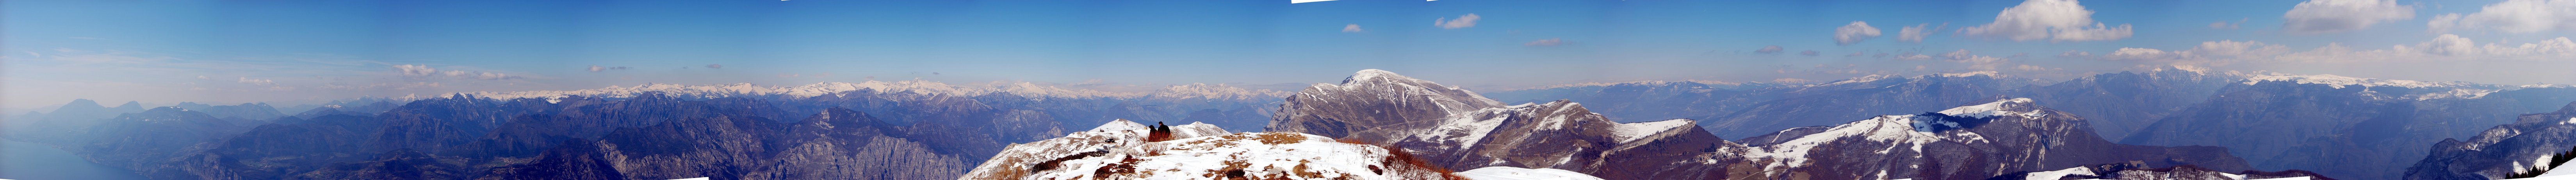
x=228 y=52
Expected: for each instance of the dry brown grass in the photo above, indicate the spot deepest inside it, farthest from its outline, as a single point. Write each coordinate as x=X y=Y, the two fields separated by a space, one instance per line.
x=1280 y=138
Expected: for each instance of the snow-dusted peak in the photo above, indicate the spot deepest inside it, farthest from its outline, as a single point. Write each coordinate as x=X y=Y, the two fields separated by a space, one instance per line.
x=1630 y=132
x=1516 y=173
x=1215 y=91
x=2184 y=68
x=1120 y=125
x=2341 y=81
x=1389 y=85
x=1366 y=74
x=1855 y=80
x=1971 y=74
x=2546 y=85
x=1991 y=109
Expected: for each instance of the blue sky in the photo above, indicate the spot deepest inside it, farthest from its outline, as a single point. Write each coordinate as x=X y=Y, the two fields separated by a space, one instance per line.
x=302 y=51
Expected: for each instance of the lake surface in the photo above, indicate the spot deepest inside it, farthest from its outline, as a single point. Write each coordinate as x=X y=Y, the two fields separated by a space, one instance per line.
x=31 y=161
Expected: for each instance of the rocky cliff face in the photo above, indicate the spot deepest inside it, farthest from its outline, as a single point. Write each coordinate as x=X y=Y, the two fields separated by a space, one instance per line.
x=2501 y=150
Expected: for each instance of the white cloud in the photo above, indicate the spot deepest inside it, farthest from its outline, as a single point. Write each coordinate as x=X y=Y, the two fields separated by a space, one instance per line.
x=1854 y=33
x=2326 y=16
x=1769 y=50
x=2072 y=53
x=2054 y=20
x=1809 y=53
x=1352 y=28
x=415 y=70
x=1912 y=56
x=248 y=80
x=1466 y=21
x=1545 y=42
x=204 y=77
x=455 y=73
x=492 y=76
x=1916 y=33
x=716 y=66
x=2207 y=53
x=2512 y=16
x=597 y=68
x=1974 y=61
x=2141 y=54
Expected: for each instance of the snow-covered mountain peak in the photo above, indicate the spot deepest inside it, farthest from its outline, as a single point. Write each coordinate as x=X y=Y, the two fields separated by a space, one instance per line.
x=1120 y=125
x=1630 y=132
x=1383 y=84
x=2545 y=85
x=2342 y=81
x=2183 y=68
x=1366 y=74
x=1855 y=80
x=1215 y=91
x=1971 y=74
x=2014 y=106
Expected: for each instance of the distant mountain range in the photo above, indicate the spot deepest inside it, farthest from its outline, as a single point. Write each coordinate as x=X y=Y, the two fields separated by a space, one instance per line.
x=2352 y=128
x=2174 y=121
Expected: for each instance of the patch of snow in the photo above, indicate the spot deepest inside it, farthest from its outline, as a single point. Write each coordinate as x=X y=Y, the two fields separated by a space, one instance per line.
x=2232 y=176
x=2062 y=173
x=1628 y=132
x=1516 y=173
x=1257 y=155
x=2569 y=121
x=1196 y=129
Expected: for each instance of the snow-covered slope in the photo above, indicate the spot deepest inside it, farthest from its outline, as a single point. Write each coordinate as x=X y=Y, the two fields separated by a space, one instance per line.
x=1118 y=151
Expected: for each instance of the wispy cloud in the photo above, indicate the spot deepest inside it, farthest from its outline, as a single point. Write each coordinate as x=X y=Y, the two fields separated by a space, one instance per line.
x=1545 y=42
x=1464 y=21
x=1769 y=50
x=1352 y=28
x=1915 y=34
x=2326 y=16
x=248 y=80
